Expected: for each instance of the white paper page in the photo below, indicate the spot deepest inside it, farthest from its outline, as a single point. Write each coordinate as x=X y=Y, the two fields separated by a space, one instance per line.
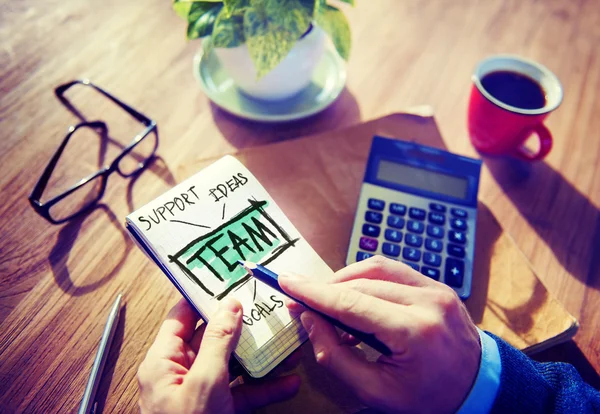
x=203 y=226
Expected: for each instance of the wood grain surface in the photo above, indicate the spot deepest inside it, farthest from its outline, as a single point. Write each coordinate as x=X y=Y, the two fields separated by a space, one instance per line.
x=58 y=282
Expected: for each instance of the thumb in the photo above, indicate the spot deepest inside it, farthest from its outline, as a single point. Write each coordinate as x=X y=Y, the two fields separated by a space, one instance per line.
x=218 y=342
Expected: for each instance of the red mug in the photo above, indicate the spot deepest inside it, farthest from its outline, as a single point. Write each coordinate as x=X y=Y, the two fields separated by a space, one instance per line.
x=498 y=128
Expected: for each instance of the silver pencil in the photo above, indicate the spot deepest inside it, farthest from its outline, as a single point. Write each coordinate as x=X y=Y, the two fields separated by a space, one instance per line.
x=88 y=402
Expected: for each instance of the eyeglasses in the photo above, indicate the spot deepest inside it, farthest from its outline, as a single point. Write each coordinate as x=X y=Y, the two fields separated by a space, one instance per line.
x=82 y=197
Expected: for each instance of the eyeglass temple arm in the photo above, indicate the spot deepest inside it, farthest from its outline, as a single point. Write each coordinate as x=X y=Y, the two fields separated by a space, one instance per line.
x=39 y=188
x=60 y=90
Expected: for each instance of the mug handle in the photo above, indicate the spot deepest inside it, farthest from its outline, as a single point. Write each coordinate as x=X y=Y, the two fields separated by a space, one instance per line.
x=545 y=138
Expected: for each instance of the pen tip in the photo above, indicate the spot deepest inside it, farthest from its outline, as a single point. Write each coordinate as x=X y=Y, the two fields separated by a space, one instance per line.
x=242 y=263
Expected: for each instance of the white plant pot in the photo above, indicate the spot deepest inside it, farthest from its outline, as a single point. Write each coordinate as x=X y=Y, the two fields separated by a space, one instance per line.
x=293 y=74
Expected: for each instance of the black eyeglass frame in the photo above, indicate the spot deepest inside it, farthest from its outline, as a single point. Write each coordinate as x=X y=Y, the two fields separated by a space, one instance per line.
x=43 y=209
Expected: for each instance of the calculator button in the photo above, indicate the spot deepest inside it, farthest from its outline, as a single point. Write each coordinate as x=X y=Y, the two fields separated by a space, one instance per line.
x=432 y=259
x=431 y=272
x=395 y=222
x=437 y=218
x=368 y=244
x=375 y=204
x=415 y=226
x=459 y=212
x=399 y=209
x=391 y=249
x=414 y=255
x=457 y=236
x=455 y=250
x=413 y=240
x=362 y=256
x=413 y=265
x=458 y=224
x=454 y=272
x=373 y=217
x=393 y=235
x=416 y=213
x=435 y=231
x=437 y=207
x=433 y=245
x=371 y=230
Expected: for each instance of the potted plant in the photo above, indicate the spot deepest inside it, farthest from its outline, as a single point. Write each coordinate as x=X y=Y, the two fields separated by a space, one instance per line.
x=270 y=48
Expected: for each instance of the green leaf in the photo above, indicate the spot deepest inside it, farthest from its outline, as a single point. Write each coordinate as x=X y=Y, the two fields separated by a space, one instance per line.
x=272 y=27
x=228 y=31
x=236 y=6
x=350 y=2
x=333 y=21
x=182 y=7
x=201 y=19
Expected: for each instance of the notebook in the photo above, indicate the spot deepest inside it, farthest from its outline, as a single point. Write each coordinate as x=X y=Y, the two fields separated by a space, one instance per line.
x=197 y=232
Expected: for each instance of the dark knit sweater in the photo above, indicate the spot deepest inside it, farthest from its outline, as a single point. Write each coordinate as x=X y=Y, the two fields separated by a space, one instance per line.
x=527 y=386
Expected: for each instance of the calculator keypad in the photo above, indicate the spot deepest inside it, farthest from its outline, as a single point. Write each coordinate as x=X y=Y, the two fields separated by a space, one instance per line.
x=454 y=272
x=371 y=230
x=435 y=231
x=455 y=250
x=368 y=244
x=375 y=204
x=434 y=245
x=408 y=253
x=458 y=224
x=393 y=235
x=413 y=240
x=395 y=222
x=432 y=238
x=430 y=272
x=416 y=213
x=415 y=226
x=398 y=209
x=437 y=218
x=391 y=249
x=373 y=217
x=457 y=237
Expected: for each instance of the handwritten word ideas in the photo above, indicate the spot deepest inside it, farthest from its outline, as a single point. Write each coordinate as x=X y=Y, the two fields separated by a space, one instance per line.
x=222 y=190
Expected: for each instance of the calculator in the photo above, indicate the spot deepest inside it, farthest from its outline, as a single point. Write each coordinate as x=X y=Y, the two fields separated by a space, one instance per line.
x=418 y=205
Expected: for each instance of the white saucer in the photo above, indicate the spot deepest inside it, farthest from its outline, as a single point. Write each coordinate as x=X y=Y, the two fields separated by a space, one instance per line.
x=327 y=83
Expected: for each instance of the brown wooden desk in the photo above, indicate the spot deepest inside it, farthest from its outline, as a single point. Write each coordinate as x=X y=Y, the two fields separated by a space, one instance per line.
x=57 y=283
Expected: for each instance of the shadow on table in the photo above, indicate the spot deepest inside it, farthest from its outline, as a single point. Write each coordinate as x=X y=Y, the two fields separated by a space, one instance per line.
x=111 y=361
x=242 y=133
x=561 y=215
x=570 y=353
x=59 y=255
x=488 y=231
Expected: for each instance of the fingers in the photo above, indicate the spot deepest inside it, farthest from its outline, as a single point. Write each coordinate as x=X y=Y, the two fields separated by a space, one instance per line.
x=249 y=397
x=181 y=322
x=381 y=268
x=353 y=308
x=348 y=339
x=341 y=360
x=218 y=342
x=389 y=291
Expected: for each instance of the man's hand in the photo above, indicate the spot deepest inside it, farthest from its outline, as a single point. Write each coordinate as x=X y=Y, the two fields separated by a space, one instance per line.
x=185 y=370
x=435 y=345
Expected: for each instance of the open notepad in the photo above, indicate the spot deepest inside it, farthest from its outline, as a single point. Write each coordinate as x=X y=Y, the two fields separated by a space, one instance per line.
x=197 y=232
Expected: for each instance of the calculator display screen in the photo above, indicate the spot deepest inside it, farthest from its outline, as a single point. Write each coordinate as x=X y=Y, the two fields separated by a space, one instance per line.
x=422 y=179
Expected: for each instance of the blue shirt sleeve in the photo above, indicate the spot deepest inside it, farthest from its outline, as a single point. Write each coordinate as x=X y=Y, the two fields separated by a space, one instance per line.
x=483 y=393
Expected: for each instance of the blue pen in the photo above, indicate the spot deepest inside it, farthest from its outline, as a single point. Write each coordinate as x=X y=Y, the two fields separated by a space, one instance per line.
x=271 y=278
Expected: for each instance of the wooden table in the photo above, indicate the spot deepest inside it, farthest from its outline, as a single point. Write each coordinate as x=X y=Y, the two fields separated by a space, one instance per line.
x=58 y=282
